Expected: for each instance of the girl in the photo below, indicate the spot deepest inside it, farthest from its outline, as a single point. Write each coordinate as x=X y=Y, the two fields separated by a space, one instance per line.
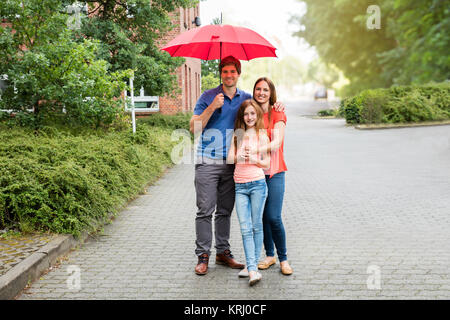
x=275 y=122
x=250 y=183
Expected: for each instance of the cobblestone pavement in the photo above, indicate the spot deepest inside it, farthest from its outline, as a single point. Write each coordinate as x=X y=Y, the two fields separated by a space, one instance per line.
x=15 y=249
x=366 y=215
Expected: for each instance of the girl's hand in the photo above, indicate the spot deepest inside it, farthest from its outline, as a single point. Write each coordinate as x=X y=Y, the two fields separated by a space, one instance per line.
x=249 y=151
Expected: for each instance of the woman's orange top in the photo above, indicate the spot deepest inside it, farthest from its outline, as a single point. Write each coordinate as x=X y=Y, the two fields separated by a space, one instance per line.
x=277 y=163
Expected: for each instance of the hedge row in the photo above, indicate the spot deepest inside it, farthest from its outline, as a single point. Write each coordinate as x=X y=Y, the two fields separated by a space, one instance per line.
x=398 y=104
x=67 y=182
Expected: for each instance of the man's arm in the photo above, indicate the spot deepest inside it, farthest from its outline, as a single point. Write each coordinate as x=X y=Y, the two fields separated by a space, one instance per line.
x=206 y=114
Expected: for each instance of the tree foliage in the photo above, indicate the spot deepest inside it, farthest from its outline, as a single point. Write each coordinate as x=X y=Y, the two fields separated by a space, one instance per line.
x=129 y=32
x=78 y=74
x=411 y=45
x=210 y=69
x=49 y=74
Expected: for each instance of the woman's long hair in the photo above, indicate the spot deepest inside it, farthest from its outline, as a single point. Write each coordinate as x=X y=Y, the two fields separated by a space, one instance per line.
x=273 y=94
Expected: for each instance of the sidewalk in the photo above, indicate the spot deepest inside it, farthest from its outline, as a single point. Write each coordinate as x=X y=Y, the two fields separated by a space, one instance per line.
x=366 y=216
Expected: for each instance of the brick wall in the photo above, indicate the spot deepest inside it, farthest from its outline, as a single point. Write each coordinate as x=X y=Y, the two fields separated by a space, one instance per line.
x=189 y=74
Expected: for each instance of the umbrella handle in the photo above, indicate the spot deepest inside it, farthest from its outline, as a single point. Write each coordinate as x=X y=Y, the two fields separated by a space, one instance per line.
x=220 y=78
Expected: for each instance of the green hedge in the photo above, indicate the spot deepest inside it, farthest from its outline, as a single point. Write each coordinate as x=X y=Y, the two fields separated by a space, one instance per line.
x=398 y=104
x=177 y=121
x=67 y=182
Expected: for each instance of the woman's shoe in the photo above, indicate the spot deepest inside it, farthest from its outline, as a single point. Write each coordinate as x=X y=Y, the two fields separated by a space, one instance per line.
x=243 y=273
x=265 y=264
x=286 y=269
x=255 y=277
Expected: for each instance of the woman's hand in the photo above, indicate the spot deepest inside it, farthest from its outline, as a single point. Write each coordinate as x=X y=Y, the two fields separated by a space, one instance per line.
x=279 y=106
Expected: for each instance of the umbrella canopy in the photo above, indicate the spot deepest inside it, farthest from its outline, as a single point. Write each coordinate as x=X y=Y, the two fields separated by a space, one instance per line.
x=218 y=41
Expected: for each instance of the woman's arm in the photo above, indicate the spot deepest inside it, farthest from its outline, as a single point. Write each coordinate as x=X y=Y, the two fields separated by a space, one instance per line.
x=262 y=160
x=277 y=139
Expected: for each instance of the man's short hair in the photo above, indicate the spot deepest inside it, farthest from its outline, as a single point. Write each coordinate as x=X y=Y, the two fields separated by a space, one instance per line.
x=230 y=60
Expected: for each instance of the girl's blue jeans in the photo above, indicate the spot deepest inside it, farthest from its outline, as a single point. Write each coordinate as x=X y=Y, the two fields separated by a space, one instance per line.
x=274 y=233
x=250 y=200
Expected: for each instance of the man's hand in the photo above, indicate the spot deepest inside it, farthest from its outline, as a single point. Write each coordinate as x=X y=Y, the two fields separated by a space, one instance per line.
x=279 y=106
x=218 y=101
x=206 y=114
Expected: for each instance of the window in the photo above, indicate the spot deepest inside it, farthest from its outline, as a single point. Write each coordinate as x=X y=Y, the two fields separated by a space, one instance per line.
x=190 y=90
x=186 y=106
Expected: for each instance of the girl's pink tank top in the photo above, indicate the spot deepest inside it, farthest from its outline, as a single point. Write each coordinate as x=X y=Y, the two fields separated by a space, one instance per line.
x=245 y=171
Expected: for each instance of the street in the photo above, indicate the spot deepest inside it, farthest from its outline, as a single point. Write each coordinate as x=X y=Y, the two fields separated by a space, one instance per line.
x=366 y=214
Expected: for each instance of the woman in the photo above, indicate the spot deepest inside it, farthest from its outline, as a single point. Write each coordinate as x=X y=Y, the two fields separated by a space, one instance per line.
x=275 y=123
x=250 y=182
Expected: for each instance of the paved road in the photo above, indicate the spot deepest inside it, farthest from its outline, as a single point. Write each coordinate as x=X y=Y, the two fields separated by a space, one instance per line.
x=366 y=212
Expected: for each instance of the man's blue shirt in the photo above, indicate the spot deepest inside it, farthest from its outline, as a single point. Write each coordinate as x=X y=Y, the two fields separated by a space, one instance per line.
x=216 y=136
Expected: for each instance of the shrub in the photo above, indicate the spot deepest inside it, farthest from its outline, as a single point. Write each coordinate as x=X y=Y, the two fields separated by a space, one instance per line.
x=67 y=181
x=326 y=113
x=177 y=121
x=399 y=104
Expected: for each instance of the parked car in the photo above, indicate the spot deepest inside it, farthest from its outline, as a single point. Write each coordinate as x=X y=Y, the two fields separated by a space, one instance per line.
x=321 y=94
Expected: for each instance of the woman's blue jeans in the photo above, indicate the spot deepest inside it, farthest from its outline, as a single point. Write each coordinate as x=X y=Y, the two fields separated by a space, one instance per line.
x=274 y=233
x=250 y=200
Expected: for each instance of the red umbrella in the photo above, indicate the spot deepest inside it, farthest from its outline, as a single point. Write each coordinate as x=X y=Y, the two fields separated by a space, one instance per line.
x=216 y=41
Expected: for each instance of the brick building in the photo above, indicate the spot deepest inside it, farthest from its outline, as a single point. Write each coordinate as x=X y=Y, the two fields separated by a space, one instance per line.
x=189 y=74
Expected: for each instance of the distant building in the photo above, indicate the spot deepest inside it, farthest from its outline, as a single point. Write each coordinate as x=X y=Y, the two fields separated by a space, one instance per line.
x=189 y=74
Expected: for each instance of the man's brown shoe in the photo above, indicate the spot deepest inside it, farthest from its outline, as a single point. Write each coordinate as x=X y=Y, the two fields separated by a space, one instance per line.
x=202 y=265
x=226 y=258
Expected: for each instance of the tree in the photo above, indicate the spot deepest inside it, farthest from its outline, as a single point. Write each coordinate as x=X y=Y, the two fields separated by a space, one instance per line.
x=411 y=45
x=129 y=32
x=210 y=69
x=322 y=73
x=422 y=31
x=50 y=73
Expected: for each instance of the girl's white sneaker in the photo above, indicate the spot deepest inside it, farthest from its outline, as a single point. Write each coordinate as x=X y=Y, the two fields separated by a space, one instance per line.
x=255 y=277
x=243 y=273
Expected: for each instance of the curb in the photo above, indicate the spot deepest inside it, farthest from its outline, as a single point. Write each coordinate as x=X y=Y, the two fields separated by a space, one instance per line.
x=399 y=126
x=32 y=267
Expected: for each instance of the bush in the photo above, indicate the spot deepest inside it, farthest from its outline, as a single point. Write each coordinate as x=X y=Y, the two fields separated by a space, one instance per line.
x=398 y=104
x=326 y=113
x=66 y=182
x=177 y=121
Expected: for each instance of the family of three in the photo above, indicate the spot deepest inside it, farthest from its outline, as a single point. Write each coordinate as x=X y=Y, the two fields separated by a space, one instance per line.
x=240 y=161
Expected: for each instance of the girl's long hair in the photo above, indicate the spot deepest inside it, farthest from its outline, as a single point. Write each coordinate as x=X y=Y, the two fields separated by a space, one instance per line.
x=273 y=94
x=239 y=125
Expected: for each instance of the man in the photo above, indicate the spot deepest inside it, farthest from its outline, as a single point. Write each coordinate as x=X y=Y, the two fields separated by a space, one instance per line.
x=214 y=115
